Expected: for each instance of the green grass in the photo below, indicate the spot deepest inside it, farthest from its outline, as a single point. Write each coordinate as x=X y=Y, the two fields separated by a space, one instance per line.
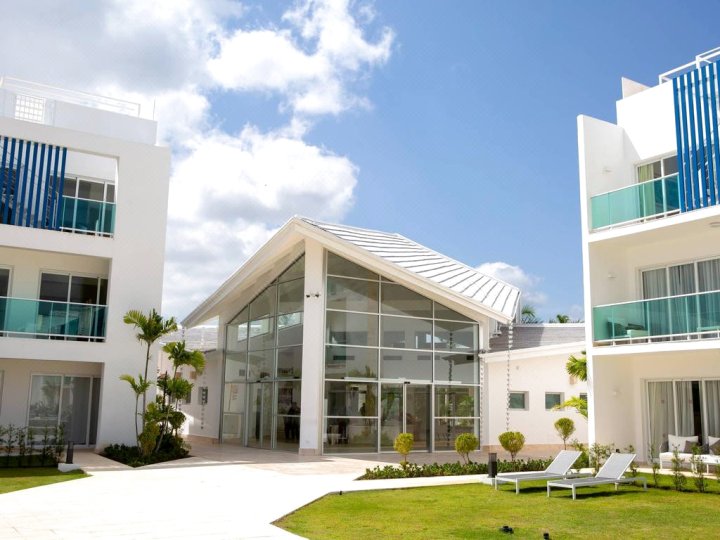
x=478 y=511
x=16 y=479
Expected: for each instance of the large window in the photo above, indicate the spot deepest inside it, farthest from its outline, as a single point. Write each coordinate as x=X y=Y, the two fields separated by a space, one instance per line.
x=420 y=357
x=263 y=365
x=657 y=169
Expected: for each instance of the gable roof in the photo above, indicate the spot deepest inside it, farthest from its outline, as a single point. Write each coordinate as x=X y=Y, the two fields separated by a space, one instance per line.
x=389 y=252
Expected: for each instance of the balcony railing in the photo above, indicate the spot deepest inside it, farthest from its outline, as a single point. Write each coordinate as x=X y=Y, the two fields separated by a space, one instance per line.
x=631 y=204
x=87 y=216
x=21 y=317
x=687 y=316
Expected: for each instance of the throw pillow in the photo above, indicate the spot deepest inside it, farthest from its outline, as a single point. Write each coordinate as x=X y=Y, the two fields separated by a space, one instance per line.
x=689 y=445
x=714 y=445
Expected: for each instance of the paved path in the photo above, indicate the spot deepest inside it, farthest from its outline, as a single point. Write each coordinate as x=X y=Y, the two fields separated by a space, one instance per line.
x=224 y=492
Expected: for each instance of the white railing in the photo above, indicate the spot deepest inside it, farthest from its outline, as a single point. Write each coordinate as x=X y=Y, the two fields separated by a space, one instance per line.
x=700 y=60
x=39 y=92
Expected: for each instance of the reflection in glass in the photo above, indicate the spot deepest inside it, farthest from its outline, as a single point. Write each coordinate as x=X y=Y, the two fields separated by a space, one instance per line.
x=351 y=328
x=351 y=435
x=260 y=415
x=287 y=434
x=295 y=271
x=455 y=336
x=399 y=364
x=264 y=303
x=447 y=430
x=290 y=329
x=44 y=401
x=406 y=333
x=442 y=312
x=74 y=411
x=352 y=294
x=260 y=365
x=391 y=415
x=342 y=267
x=455 y=401
x=235 y=366
x=457 y=367
x=341 y=362
x=399 y=300
x=290 y=296
x=289 y=361
x=262 y=334
x=234 y=398
x=351 y=398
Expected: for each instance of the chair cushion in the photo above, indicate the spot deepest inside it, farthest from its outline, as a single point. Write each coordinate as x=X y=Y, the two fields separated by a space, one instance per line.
x=678 y=443
x=689 y=447
x=714 y=446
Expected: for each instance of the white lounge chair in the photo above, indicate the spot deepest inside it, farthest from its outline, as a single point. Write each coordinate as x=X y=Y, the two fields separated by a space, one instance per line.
x=610 y=473
x=559 y=468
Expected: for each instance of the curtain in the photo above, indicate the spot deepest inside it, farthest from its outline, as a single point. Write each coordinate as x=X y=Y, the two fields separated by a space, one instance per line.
x=655 y=313
x=709 y=275
x=709 y=304
x=654 y=283
x=682 y=279
x=683 y=311
x=685 y=420
x=712 y=398
x=645 y=172
x=662 y=414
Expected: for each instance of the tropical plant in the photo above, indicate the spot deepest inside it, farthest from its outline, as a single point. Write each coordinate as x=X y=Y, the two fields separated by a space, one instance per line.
x=528 y=315
x=565 y=427
x=150 y=328
x=575 y=402
x=678 y=478
x=654 y=462
x=465 y=443
x=403 y=445
x=512 y=442
x=560 y=318
x=139 y=387
x=598 y=454
x=697 y=468
x=576 y=366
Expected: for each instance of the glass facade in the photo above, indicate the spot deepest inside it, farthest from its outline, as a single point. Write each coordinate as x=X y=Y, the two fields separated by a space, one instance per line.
x=395 y=361
x=263 y=366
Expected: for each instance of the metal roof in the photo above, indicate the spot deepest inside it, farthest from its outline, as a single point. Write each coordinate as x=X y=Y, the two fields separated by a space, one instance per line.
x=489 y=292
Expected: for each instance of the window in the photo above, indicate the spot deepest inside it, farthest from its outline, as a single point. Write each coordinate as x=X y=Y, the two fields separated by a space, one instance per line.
x=679 y=279
x=657 y=169
x=91 y=190
x=74 y=289
x=4 y=281
x=552 y=399
x=518 y=401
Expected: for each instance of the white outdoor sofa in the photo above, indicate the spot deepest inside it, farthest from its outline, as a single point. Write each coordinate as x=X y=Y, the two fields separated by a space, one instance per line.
x=681 y=443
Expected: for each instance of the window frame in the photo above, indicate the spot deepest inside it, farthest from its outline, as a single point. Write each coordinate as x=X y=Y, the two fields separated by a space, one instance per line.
x=560 y=402
x=526 y=400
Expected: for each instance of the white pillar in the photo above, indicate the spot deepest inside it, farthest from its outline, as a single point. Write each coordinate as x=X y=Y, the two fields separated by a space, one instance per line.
x=311 y=403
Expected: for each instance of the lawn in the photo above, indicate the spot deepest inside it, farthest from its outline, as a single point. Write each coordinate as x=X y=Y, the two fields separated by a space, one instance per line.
x=15 y=479
x=478 y=511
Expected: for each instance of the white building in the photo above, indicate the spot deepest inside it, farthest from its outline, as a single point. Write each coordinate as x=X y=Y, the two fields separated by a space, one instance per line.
x=651 y=256
x=83 y=190
x=335 y=339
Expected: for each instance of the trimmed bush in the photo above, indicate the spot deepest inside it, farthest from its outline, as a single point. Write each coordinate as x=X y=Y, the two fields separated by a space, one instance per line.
x=565 y=427
x=412 y=470
x=403 y=445
x=464 y=444
x=512 y=442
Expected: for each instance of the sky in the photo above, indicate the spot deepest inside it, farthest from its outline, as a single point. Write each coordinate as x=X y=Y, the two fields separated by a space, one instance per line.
x=451 y=122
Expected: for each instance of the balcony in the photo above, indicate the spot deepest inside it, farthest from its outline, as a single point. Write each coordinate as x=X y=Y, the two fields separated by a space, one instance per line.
x=21 y=317
x=690 y=316
x=87 y=217
x=637 y=203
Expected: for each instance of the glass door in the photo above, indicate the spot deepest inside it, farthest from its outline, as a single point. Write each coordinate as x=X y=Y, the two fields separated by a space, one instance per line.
x=391 y=415
x=260 y=415
x=405 y=408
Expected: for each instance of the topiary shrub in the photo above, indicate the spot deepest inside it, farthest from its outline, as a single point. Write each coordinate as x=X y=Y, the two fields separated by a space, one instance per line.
x=512 y=442
x=403 y=445
x=564 y=427
x=464 y=444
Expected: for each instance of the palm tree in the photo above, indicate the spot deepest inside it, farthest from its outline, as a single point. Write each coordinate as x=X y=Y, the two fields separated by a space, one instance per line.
x=528 y=316
x=560 y=318
x=577 y=366
x=575 y=402
x=139 y=387
x=150 y=328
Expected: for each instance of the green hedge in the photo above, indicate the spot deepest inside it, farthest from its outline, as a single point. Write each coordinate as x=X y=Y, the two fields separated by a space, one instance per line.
x=414 y=470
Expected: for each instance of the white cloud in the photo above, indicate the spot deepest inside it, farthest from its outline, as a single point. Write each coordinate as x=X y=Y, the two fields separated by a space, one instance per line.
x=514 y=275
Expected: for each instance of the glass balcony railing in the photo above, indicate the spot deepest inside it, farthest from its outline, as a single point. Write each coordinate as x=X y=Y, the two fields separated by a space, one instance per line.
x=86 y=216
x=687 y=315
x=653 y=198
x=21 y=317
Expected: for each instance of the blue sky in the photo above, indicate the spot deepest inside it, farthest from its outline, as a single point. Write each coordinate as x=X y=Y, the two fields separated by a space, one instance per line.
x=453 y=122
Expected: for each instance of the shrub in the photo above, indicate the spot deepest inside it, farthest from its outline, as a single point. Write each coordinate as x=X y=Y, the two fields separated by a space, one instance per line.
x=464 y=444
x=512 y=442
x=654 y=462
x=403 y=445
x=564 y=427
x=412 y=470
x=697 y=466
x=630 y=449
x=598 y=454
x=584 y=460
x=678 y=477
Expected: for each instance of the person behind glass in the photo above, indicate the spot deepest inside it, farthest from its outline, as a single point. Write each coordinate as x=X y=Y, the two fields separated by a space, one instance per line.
x=293 y=422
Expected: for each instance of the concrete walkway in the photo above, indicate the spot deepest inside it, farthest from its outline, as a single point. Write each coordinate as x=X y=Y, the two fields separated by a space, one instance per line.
x=222 y=492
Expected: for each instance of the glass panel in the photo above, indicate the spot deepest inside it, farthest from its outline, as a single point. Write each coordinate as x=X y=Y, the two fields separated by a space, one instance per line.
x=264 y=303
x=295 y=270
x=91 y=190
x=287 y=435
x=94 y=409
x=391 y=414
x=102 y=297
x=110 y=193
x=84 y=290
x=341 y=362
x=682 y=279
x=352 y=328
x=235 y=366
x=456 y=367
x=260 y=415
x=518 y=400
x=399 y=300
x=54 y=287
x=342 y=267
x=709 y=275
x=405 y=333
x=232 y=427
x=351 y=398
x=352 y=294
x=662 y=414
x=289 y=362
x=262 y=334
x=234 y=398
x=69 y=187
x=442 y=312
x=52 y=318
x=260 y=364
x=290 y=329
x=4 y=281
x=351 y=435
x=76 y=408
x=290 y=296
x=454 y=401
x=417 y=415
x=455 y=336
x=447 y=430
x=44 y=407
x=654 y=283
x=670 y=165
x=400 y=364
x=552 y=399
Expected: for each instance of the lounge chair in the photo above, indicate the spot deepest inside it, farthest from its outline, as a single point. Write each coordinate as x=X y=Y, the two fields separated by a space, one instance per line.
x=610 y=473
x=559 y=468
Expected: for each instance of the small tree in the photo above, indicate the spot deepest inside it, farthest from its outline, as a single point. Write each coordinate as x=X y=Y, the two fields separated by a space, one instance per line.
x=512 y=442
x=464 y=444
x=403 y=445
x=139 y=387
x=697 y=468
x=598 y=454
x=653 y=461
x=678 y=477
x=565 y=427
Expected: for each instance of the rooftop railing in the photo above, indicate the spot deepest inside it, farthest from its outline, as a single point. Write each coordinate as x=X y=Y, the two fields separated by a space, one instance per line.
x=686 y=317
x=86 y=216
x=636 y=203
x=22 y=317
x=701 y=60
